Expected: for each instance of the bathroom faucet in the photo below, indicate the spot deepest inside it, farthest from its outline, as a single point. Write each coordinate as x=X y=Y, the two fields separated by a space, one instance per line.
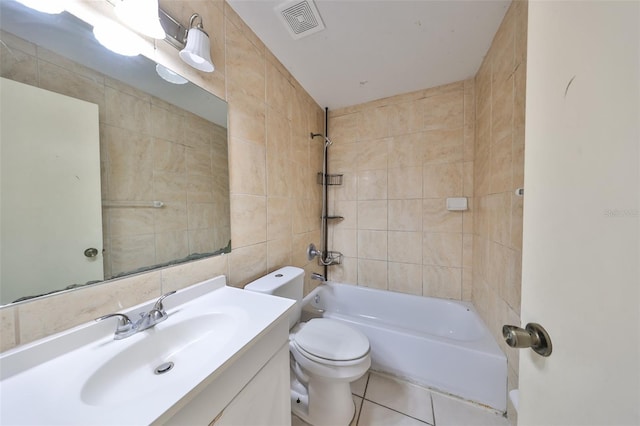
x=126 y=327
x=155 y=315
x=317 y=276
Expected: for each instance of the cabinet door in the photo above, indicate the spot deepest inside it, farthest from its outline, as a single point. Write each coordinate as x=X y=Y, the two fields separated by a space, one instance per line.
x=265 y=400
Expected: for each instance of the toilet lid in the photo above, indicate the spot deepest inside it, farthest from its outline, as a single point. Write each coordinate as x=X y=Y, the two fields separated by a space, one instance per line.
x=332 y=340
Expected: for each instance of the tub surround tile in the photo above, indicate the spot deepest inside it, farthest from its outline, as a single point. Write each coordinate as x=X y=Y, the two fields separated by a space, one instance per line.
x=405 y=215
x=430 y=139
x=343 y=156
x=372 y=155
x=498 y=169
x=348 y=190
x=372 y=245
x=406 y=151
x=436 y=217
x=442 y=249
x=443 y=146
x=442 y=180
x=374 y=124
x=404 y=183
x=346 y=272
x=372 y=273
x=444 y=111
x=372 y=214
x=372 y=185
x=405 y=247
x=405 y=117
x=440 y=281
x=405 y=278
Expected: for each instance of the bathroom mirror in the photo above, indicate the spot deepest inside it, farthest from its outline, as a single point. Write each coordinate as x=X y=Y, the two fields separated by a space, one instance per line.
x=161 y=159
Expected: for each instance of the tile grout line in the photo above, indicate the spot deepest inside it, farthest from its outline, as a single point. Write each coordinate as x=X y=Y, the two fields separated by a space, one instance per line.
x=433 y=409
x=394 y=410
x=364 y=398
x=364 y=393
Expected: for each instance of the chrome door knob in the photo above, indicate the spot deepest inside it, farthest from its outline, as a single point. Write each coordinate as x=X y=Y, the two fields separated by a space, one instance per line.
x=533 y=336
x=91 y=252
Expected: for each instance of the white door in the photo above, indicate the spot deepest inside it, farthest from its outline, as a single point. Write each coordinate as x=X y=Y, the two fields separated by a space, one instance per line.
x=580 y=271
x=50 y=200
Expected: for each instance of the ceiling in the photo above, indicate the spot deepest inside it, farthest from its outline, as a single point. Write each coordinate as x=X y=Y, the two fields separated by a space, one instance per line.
x=371 y=49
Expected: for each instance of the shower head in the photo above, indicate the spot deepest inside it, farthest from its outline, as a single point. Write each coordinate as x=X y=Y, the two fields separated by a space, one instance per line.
x=327 y=141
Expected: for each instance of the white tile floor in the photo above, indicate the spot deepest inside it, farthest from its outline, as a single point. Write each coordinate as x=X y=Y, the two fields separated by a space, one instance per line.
x=387 y=401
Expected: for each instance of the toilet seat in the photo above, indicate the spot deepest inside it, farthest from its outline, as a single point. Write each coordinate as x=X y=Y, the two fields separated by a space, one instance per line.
x=330 y=342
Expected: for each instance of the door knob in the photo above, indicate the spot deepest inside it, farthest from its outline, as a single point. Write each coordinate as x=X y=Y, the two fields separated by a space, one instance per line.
x=533 y=336
x=91 y=252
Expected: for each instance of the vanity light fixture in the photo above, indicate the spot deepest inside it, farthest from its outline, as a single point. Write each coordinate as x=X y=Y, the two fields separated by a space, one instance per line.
x=45 y=6
x=141 y=16
x=197 y=51
x=118 y=38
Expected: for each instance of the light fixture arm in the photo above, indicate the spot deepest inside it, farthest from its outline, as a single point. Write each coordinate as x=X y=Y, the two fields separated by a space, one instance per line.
x=199 y=26
x=176 y=32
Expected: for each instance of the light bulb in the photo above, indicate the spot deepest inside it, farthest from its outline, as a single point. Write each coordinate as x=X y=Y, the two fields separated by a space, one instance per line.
x=118 y=39
x=141 y=16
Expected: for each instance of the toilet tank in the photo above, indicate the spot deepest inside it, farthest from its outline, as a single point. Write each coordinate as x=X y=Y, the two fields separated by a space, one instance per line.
x=285 y=282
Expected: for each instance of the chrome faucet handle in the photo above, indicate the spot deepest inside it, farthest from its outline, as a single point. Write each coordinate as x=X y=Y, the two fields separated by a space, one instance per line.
x=124 y=328
x=158 y=306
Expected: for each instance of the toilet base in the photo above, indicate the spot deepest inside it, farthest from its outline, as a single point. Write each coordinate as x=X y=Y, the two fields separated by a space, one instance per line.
x=322 y=403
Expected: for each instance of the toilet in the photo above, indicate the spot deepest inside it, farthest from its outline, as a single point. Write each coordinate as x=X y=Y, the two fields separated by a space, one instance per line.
x=326 y=355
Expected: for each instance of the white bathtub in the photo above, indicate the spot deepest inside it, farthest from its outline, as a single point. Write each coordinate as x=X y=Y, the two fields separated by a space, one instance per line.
x=438 y=343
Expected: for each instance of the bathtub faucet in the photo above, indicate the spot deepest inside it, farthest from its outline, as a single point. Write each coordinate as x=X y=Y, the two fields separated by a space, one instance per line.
x=317 y=276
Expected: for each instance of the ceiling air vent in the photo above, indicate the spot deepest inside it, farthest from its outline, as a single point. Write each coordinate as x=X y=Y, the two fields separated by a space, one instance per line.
x=300 y=17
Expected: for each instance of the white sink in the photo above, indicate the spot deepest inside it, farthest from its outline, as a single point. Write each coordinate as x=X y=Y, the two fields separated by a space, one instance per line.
x=84 y=376
x=188 y=344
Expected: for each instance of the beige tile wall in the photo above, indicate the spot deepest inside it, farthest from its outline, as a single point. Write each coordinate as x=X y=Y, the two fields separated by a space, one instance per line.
x=401 y=157
x=275 y=204
x=499 y=169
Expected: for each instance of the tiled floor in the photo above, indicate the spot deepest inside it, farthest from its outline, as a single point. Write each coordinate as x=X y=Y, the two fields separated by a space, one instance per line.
x=387 y=401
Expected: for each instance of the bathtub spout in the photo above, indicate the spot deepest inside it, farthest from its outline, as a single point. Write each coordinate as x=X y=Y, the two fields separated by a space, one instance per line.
x=317 y=276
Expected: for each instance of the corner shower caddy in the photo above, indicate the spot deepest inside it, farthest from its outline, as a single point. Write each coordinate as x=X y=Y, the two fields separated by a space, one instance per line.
x=326 y=257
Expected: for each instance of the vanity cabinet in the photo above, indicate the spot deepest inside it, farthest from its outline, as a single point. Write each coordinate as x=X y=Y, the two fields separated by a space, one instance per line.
x=265 y=400
x=252 y=389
